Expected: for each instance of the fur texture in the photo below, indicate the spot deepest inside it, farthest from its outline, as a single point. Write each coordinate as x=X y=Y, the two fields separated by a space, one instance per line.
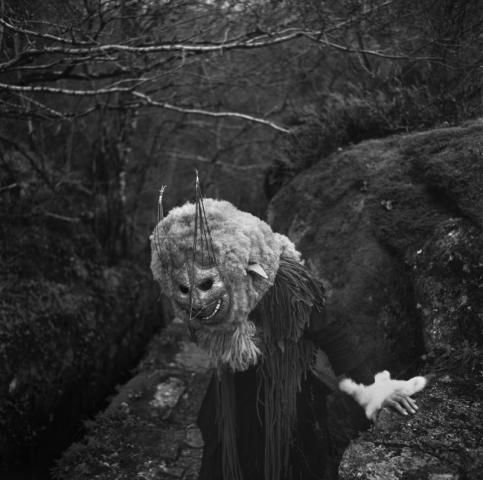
x=238 y=349
x=372 y=397
x=239 y=241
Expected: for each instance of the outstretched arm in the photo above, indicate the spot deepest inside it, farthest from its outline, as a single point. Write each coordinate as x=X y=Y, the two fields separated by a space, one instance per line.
x=371 y=393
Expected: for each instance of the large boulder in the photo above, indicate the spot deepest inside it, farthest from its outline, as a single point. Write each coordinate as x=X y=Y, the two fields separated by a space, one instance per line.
x=70 y=326
x=393 y=229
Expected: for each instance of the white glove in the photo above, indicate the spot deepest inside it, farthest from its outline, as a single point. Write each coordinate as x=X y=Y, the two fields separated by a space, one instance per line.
x=393 y=392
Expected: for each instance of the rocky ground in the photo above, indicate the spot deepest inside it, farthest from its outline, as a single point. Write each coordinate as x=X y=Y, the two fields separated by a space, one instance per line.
x=149 y=431
x=442 y=442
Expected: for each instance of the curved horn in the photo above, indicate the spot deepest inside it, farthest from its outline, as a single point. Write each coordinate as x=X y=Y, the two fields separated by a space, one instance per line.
x=160 y=203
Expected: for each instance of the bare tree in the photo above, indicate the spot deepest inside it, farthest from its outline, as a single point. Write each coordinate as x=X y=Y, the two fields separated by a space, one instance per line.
x=107 y=96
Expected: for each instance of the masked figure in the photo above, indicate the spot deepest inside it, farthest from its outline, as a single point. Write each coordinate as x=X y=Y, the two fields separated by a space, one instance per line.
x=259 y=313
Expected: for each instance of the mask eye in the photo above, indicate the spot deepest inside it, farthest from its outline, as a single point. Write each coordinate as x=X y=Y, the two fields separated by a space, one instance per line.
x=183 y=289
x=205 y=285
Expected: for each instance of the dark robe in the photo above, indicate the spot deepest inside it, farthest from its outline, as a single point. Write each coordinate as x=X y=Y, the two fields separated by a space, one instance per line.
x=313 y=451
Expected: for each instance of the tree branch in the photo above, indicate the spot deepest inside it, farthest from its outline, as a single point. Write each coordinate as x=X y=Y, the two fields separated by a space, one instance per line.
x=64 y=91
x=145 y=100
x=45 y=36
x=254 y=42
x=196 y=111
x=363 y=51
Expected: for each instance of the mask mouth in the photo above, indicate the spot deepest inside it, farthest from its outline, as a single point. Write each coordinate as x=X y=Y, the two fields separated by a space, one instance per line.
x=208 y=314
x=213 y=315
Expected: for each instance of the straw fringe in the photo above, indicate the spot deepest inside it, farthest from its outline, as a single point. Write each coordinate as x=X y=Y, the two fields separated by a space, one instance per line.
x=283 y=314
x=286 y=358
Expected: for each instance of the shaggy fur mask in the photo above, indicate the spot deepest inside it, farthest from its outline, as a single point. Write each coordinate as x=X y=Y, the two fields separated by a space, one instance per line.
x=247 y=254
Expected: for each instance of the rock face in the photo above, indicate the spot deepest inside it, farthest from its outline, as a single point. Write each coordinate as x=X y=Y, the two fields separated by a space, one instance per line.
x=69 y=326
x=393 y=227
x=448 y=285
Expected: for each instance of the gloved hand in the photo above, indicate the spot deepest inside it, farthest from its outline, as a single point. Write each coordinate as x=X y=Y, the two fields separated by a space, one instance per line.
x=384 y=392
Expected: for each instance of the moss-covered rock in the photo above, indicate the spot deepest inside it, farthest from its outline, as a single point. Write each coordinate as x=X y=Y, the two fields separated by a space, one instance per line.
x=372 y=222
x=394 y=229
x=448 y=280
x=70 y=326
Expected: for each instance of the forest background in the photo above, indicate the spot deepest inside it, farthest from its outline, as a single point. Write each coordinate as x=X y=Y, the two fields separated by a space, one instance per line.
x=102 y=101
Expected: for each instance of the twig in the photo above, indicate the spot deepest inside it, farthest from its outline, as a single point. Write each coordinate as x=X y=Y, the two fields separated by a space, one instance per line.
x=363 y=51
x=60 y=217
x=45 y=36
x=8 y=187
x=53 y=112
